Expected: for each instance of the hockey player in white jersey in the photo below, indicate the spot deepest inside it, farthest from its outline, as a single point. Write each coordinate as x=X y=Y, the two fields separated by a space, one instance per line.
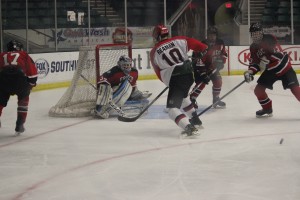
x=171 y=64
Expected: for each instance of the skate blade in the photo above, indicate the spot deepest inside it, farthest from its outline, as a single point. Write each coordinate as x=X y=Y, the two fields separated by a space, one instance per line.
x=264 y=116
x=199 y=126
x=166 y=110
x=18 y=133
x=185 y=136
x=219 y=107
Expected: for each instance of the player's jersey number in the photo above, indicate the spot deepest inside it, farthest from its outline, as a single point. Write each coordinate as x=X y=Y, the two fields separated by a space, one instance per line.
x=15 y=57
x=173 y=57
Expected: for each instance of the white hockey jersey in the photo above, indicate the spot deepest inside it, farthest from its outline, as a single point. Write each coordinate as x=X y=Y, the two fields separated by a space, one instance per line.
x=169 y=53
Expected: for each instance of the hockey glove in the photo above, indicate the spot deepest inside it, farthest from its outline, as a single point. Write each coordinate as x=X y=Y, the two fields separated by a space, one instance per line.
x=198 y=54
x=204 y=78
x=248 y=76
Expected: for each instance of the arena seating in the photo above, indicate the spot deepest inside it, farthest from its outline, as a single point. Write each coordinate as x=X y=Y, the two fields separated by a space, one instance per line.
x=278 y=12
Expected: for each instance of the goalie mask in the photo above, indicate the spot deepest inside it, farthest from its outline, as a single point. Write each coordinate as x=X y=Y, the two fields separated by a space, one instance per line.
x=125 y=63
x=14 y=45
x=256 y=32
x=159 y=33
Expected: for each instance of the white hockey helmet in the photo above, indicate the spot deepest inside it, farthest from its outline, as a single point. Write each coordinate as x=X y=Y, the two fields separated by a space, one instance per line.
x=125 y=63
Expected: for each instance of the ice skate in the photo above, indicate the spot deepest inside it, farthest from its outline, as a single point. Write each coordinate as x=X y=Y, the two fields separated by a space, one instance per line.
x=219 y=104
x=189 y=132
x=100 y=115
x=19 y=128
x=99 y=112
x=195 y=120
x=264 y=113
x=166 y=110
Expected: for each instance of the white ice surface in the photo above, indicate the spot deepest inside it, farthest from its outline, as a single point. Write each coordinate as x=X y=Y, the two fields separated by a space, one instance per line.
x=236 y=157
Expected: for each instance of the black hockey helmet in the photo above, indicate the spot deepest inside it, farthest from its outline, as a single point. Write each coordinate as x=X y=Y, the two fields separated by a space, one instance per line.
x=212 y=30
x=160 y=32
x=255 y=27
x=14 y=45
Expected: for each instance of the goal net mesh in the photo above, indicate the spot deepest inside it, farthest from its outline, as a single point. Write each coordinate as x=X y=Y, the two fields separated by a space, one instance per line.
x=80 y=98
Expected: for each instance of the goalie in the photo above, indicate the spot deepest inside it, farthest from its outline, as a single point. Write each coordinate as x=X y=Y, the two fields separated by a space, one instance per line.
x=117 y=88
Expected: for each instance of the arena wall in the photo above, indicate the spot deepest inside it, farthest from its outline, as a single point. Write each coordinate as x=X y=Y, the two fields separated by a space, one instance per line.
x=56 y=69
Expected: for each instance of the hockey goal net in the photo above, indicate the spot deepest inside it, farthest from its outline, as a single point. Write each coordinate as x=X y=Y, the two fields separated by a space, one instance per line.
x=80 y=98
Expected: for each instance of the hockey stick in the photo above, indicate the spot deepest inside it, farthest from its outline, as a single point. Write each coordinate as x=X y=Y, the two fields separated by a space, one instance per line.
x=209 y=107
x=111 y=104
x=132 y=119
x=196 y=88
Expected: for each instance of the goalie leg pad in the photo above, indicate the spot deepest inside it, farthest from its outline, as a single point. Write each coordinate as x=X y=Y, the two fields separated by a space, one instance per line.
x=102 y=103
x=122 y=94
x=104 y=94
x=135 y=107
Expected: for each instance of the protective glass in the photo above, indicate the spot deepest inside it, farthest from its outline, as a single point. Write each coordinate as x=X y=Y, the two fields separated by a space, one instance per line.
x=256 y=36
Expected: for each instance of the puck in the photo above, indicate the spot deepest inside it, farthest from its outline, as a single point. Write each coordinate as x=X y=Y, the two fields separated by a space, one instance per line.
x=281 y=141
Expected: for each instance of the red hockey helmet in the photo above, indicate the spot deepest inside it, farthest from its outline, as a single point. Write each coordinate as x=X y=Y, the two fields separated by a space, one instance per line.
x=160 y=32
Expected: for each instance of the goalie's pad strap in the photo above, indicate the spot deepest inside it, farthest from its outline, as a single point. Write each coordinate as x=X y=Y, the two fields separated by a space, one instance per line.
x=104 y=94
x=122 y=94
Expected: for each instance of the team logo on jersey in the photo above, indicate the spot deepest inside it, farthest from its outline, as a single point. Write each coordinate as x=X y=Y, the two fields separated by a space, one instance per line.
x=42 y=67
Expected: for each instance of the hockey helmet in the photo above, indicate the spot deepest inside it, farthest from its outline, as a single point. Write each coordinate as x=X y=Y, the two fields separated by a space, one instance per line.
x=125 y=63
x=160 y=32
x=256 y=32
x=14 y=45
x=212 y=30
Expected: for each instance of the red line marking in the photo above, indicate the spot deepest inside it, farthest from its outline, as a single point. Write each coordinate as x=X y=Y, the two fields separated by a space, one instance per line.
x=41 y=134
x=45 y=181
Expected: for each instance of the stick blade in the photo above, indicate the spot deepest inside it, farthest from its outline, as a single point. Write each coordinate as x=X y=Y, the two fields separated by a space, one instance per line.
x=127 y=119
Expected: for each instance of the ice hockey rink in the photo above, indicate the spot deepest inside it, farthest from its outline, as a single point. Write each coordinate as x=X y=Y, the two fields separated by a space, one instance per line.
x=236 y=157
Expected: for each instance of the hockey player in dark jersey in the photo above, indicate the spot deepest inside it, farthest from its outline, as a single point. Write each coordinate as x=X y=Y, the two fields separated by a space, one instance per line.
x=208 y=68
x=117 y=86
x=18 y=75
x=266 y=55
x=172 y=66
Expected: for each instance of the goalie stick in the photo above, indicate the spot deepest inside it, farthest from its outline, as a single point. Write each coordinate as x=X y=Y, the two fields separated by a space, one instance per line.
x=132 y=119
x=209 y=107
x=111 y=104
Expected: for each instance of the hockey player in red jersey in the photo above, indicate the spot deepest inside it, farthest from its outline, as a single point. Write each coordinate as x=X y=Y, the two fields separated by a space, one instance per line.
x=171 y=64
x=117 y=86
x=18 y=75
x=266 y=55
x=208 y=68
